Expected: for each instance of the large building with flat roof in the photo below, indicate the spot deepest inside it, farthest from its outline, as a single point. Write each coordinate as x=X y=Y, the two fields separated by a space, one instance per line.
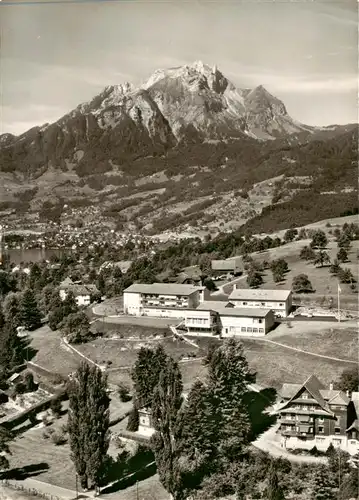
x=221 y=318
x=167 y=300
x=279 y=301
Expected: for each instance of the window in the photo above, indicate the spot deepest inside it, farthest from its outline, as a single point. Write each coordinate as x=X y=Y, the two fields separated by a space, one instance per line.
x=249 y=329
x=243 y=329
x=261 y=330
x=289 y=427
x=353 y=442
x=321 y=419
x=281 y=304
x=255 y=330
x=321 y=429
x=320 y=440
x=304 y=396
x=260 y=321
x=337 y=430
x=263 y=303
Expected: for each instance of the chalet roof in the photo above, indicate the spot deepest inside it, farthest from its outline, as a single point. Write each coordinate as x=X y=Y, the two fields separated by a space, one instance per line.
x=226 y=264
x=226 y=309
x=163 y=289
x=314 y=387
x=79 y=289
x=192 y=271
x=335 y=397
x=259 y=294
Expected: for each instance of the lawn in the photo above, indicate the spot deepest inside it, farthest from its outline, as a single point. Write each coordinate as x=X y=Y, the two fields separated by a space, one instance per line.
x=324 y=283
x=336 y=340
x=276 y=365
x=127 y=330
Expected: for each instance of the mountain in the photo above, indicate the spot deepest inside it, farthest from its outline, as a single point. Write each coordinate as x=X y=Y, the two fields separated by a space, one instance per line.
x=185 y=134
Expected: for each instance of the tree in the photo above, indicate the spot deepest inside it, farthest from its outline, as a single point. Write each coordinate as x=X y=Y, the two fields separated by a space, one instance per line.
x=11 y=348
x=290 y=234
x=323 y=487
x=56 y=407
x=209 y=284
x=133 y=420
x=319 y=239
x=145 y=373
x=35 y=276
x=69 y=304
x=349 y=380
x=254 y=278
x=350 y=486
x=279 y=267
x=167 y=401
x=76 y=327
x=5 y=438
x=301 y=284
x=30 y=313
x=345 y=275
x=335 y=268
x=88 y=423
x=342 y=255
x=228 y=376
x=12 y=310
x=273 y=490
x=307 y=253
x=196 y=436
x=321 y=258
x=29 y=382
x=344 y=241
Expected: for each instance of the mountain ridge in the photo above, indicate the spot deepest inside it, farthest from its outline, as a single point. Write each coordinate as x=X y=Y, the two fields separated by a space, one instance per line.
x=185 y=133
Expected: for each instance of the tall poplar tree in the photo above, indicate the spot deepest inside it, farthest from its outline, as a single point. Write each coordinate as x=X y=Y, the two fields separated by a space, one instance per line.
x=167 y=401
x=88 y=423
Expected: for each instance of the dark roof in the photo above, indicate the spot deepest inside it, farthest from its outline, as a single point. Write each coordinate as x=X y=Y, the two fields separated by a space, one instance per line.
x=354 y=425
x=226 y=264
x=163 y=289
x=314 y=387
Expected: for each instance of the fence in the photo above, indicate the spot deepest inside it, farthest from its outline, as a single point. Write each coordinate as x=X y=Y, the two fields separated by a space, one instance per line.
x=29 y=491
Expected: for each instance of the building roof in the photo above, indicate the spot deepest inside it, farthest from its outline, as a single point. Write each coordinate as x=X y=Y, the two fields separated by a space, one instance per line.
x=226 y=309
x=78 y=289
x=354 y=425
x=316 y=389
x=288 y=391
x=163 y=289
x=226 y=264
x=66 y=282
x=259 y=294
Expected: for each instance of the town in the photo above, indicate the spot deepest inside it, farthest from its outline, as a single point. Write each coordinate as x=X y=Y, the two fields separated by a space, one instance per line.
x=86 y=313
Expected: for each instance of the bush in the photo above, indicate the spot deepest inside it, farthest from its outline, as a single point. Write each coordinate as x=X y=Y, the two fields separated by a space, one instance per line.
x=58 y=438
x=56 y=407
x=124 y=393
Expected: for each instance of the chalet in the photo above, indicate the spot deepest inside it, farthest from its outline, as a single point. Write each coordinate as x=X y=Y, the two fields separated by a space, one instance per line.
x=145 y=425
x=215 y=317
x=232 y=266
x=279 y=301
x=312 y=415
x=167 y=300
x=83 y=293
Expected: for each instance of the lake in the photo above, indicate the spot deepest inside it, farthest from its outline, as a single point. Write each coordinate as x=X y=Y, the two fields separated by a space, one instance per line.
x=32 y=255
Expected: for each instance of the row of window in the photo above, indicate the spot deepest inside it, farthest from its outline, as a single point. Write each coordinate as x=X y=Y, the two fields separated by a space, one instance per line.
x=263 y=304
x=197 y=321
x=244 y=329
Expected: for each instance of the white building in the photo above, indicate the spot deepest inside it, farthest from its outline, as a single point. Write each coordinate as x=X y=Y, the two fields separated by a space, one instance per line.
x=167 y=300
x=214 y=317
x=279 y=301
x=82 y=293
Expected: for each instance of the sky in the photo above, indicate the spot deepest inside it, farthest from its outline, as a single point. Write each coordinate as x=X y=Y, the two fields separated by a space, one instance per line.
x=55 y=55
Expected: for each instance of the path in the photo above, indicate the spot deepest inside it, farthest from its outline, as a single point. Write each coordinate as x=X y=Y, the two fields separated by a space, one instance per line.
x=48 y=489
x=221 y=290
x=306 y=352
x=267 y=442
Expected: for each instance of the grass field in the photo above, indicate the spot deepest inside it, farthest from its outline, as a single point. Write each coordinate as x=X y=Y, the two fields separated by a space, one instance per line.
x=324 y=283
x=336 y=340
